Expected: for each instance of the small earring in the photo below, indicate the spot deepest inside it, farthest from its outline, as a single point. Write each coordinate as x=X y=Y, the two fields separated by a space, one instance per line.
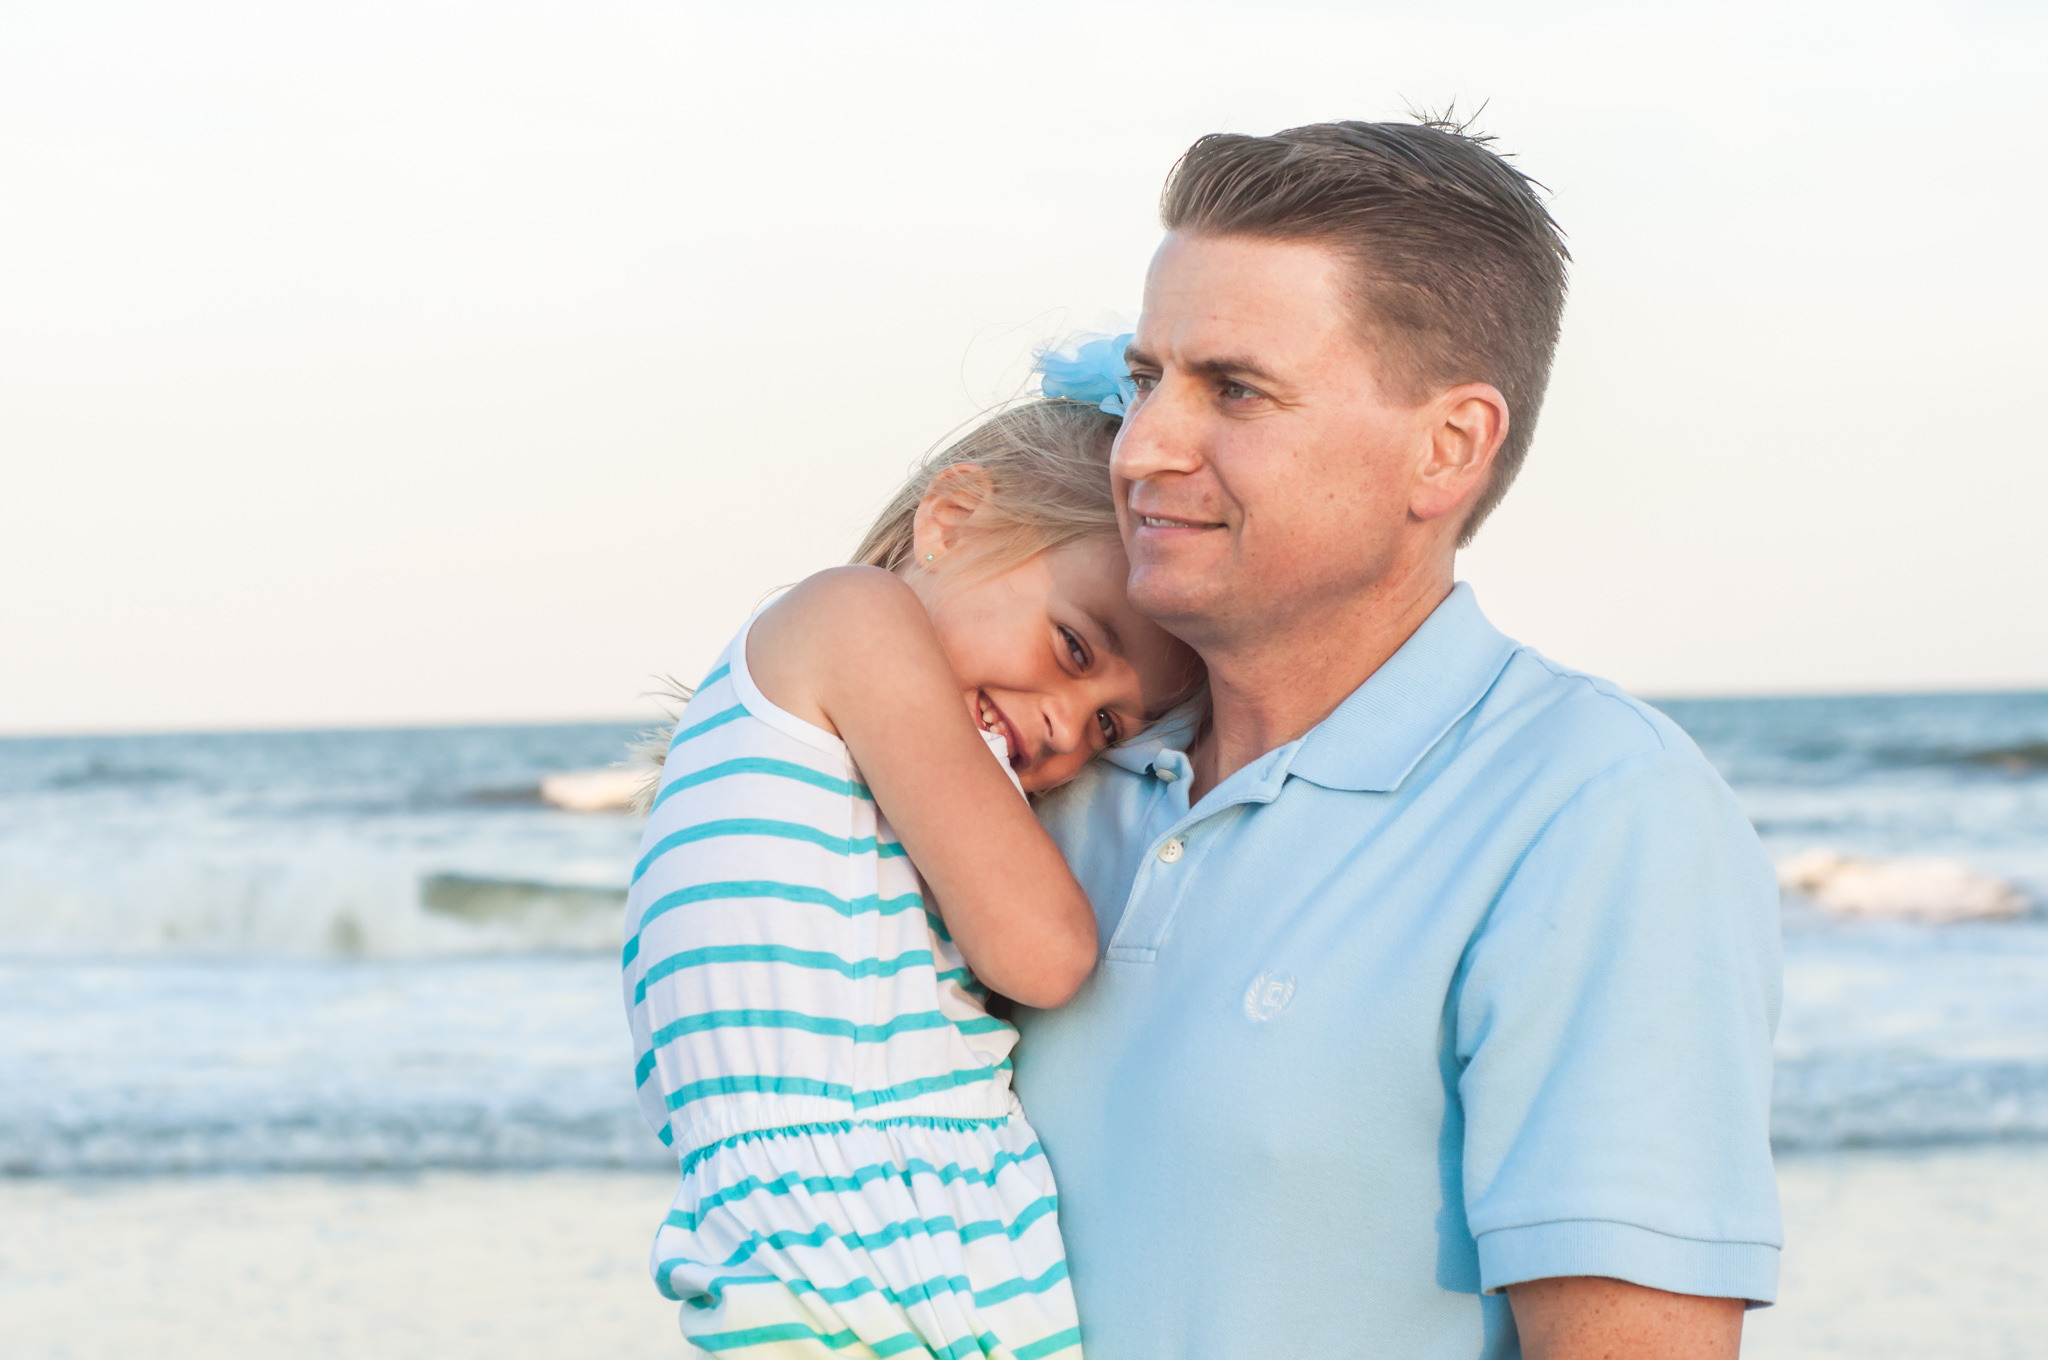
x=927 y=557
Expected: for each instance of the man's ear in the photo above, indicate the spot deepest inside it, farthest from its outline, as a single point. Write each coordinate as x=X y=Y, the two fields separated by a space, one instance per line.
x=1469 y=423
x=955 y=504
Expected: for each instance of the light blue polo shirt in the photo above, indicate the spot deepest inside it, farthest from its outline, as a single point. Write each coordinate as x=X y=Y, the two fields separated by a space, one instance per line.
x=1473 y=984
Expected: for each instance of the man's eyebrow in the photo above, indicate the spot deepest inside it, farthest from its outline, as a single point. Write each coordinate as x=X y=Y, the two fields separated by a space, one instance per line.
x=1233 y=366
x=1223 y=366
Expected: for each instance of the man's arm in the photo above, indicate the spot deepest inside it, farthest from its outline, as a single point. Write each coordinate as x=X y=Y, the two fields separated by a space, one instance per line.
x=1584 y=1317
x=1615 y=1019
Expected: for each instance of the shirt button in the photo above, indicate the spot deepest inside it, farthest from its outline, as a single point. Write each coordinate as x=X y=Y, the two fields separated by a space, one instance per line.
x=1170 y=852
x=1168 y=775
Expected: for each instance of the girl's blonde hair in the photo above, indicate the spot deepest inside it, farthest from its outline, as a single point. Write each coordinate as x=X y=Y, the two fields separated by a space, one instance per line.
x=1048 y=468
x=1047 y=462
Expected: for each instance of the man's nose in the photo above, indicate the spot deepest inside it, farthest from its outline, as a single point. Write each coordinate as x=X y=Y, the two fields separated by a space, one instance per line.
x=1161 y=435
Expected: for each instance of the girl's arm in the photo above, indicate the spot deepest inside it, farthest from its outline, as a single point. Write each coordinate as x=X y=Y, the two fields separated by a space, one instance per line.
x=853 y=650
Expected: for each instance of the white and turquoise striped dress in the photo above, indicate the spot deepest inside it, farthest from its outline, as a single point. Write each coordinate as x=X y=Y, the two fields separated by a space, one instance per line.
x=857 y=1178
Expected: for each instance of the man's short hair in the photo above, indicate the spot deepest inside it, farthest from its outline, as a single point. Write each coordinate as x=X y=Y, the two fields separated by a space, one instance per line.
x=1463 y=270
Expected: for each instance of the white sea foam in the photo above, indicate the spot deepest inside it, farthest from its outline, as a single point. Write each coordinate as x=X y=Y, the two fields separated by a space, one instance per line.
x=612 y=789
x=1916 y=888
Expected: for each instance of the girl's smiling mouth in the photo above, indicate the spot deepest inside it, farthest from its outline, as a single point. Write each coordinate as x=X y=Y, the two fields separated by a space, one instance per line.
x=993 y=720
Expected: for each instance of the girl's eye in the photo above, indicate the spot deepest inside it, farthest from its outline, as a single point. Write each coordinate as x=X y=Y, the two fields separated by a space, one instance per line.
x=1075 y=648
x=1108 y=722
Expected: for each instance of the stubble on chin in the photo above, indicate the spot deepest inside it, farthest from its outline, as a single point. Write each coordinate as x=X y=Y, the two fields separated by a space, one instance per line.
x=1193 y=607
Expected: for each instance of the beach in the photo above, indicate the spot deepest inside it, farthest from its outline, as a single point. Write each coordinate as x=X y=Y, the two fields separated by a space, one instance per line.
x=1931 y=1254
x=1925 y=1254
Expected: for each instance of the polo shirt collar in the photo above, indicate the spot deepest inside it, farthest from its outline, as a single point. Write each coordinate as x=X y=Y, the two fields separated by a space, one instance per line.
x=1406 y=706
x=1389 y=723
x=1174 y=732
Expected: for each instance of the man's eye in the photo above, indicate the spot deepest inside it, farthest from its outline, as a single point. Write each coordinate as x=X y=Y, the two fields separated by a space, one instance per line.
x=1074 y=648
x=1144 y=382
x=1237 y=392
x=1108 y=722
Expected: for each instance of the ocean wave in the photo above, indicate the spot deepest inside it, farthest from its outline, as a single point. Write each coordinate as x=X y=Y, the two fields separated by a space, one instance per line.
x=2016 y=758
x=98 y=773
x=1890 y=1102
x=451 y=1135
x=338 y=901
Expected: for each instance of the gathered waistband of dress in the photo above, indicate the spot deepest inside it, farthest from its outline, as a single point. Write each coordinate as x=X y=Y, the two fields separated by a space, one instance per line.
x=768 y=1113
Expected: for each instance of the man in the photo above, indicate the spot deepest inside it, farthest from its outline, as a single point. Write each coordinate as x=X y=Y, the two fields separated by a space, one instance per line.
x=1438 y=981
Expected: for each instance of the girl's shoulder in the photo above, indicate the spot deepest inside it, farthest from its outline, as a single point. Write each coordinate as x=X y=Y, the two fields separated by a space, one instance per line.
x=830 y=628
x=860 y=606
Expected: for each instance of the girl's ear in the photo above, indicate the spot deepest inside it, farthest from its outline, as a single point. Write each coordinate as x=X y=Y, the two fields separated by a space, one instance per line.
x=955 y=505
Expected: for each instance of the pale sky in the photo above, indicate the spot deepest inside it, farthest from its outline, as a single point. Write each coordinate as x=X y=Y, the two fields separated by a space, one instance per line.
x=451 y=362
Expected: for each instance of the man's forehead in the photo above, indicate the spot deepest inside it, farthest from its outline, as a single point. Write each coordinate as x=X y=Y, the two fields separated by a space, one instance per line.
x=1212 y=300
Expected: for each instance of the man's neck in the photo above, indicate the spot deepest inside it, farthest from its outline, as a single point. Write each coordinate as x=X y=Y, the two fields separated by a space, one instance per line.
x=1267 y=691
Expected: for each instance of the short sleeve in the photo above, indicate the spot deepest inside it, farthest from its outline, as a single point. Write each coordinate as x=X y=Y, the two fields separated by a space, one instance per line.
x=1612 y=1021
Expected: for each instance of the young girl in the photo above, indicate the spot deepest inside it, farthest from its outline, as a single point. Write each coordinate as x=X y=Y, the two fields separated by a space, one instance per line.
x=835 y=871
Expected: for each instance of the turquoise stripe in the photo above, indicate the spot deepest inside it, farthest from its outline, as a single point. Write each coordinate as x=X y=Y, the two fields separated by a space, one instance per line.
x=966 y=980
x=1058 y=1341
x=775 y=1019
x=761 y=826
x=1010 y=1289
x=777 y=953
x=787 y=1086
x=813 y=1024
x=984 y=1344
x=715 y=721
x=986 y=1024
x=781 y=769
x=748 y=1187
x=761 y=1336
x=929 y=1291
x=838 y=1341
x=781 y=892
x=1036 y=1210
x=831 y=1090
x=888 y=1235
x=715 y=677
x=889 y=1095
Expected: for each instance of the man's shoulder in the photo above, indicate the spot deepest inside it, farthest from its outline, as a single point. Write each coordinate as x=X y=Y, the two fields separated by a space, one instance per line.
x=1585 y=765
x=1570 y=718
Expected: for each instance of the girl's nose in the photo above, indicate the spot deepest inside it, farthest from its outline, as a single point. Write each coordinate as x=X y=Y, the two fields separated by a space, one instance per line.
x=1063 y=730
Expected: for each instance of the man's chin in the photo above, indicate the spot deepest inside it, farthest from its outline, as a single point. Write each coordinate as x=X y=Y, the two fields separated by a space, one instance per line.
x=1171 y=598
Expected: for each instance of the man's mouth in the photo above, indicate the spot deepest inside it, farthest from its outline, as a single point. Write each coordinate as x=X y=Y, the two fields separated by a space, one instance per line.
x=992 y=720
x=1170 y=522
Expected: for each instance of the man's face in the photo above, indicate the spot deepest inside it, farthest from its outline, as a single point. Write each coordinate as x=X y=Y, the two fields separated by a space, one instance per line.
x=1262 y=474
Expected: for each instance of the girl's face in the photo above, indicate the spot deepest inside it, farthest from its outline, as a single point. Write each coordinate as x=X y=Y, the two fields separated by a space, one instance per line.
x=1052 y=656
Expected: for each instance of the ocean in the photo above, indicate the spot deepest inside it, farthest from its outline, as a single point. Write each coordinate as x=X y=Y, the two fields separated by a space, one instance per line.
x=381 y=951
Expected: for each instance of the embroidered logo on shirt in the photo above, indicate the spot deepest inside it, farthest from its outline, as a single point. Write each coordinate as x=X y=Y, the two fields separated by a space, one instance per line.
x=1267 y=994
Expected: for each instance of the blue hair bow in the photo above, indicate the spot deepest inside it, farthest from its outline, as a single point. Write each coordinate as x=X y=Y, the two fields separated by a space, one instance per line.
x=1094 y=372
